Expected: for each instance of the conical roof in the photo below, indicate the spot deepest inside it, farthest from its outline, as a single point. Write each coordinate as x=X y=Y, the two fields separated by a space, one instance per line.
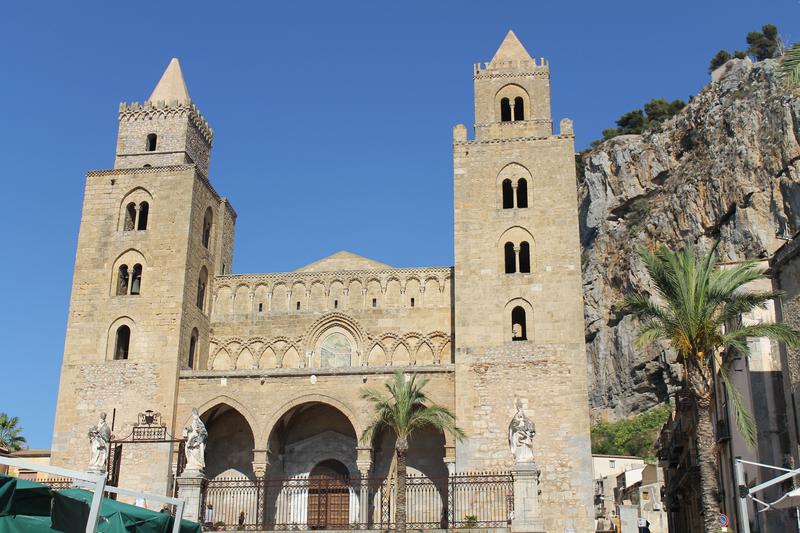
x=511 y=49
x=171 y=86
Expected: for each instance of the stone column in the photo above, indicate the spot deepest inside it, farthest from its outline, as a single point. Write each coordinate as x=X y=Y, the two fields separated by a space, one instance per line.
x=516 y=259
x=449 y=453
x=527 y=517
x=190 y=489
x=260 y=463
x=364 y=464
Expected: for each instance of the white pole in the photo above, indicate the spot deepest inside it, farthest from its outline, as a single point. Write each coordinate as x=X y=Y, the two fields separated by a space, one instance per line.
x=97 y=500
x=742 y=491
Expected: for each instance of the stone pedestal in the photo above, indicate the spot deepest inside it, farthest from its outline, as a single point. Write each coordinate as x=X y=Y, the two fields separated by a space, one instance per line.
x=190 y=487
x=527 y=516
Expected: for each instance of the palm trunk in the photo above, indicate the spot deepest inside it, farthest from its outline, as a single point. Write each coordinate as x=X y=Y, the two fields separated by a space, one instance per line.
x=400 y=512
x=706 y=453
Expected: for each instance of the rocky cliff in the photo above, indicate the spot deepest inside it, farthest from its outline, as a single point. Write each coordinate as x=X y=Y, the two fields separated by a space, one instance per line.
x=727 y=167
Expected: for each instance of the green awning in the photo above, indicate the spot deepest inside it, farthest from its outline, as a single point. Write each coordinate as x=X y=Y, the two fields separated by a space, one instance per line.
x=28 y=507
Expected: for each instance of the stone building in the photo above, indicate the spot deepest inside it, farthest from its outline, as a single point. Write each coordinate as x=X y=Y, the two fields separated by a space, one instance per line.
x=274 y=362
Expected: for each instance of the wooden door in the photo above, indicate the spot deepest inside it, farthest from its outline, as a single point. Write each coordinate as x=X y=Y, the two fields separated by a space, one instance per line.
x=328 y=497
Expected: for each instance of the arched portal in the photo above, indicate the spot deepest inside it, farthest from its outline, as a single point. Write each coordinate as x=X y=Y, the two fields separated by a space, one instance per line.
x=312 y=451
x=229 y=449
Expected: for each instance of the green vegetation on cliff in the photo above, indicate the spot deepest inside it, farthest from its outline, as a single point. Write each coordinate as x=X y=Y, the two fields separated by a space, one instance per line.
x=636 y=435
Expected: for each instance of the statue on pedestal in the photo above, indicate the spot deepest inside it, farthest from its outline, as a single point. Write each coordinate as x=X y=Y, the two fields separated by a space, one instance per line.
x=521 y=431
x=99 y=439
x=196 y=435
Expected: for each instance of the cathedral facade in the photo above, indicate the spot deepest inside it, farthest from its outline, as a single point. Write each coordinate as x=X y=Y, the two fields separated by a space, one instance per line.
x=274 y=363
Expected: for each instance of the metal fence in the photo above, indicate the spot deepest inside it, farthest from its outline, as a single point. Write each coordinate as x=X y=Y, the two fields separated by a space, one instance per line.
x=479 y=499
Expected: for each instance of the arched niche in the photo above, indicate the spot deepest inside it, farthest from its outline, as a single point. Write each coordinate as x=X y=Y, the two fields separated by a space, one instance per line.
x=230 y=444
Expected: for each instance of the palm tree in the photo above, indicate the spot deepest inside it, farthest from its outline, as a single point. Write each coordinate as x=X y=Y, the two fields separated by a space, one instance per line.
x=405 y=409
x=697 y=309
x=10 y=437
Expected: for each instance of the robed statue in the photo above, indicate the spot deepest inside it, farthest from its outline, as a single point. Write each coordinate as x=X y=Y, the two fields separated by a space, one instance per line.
x=196 y=435
x=521 y=431
x=99 y=439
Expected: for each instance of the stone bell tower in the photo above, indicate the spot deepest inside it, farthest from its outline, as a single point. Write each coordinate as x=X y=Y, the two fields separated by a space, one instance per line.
x=519 y=329
x=153 y=233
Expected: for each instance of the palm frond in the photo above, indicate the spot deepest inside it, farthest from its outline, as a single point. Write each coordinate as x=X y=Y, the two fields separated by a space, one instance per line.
x=777 y=330
x=405 y=408
x=744 y=418
x=790 y=67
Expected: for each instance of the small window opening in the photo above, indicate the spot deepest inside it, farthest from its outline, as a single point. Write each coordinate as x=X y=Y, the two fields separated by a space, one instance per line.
x=336 y=304
x=152 y=140
x=147 y=165
x=144 y=212
x=518 y=332
x=136 y=279
x=505 y=110
x=122 y=342
x=374 y=302
x=202 y=280
x=223 y=268
x=260 y=307
x=524 y=257
x=130 y=216
x=122 y=280
x=412 y=302
x=522 y=193
x=510 y=258
x=207 y=222
x=192 y=348
x=297 y=306
x=508 y=195
x=519 y=108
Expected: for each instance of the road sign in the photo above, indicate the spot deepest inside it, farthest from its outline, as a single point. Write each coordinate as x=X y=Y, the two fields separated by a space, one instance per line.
x=724 y=521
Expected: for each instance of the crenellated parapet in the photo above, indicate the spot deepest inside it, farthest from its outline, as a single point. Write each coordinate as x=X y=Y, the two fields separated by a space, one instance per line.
x=518 y=68
x=166 y=109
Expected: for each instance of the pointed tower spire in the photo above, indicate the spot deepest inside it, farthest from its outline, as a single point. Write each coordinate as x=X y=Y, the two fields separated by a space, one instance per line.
x=171 y=86
x=511 y=49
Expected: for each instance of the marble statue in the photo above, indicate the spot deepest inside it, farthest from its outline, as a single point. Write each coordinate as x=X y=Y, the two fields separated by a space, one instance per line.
x=196 y=435
x=521 y=431
x=99 y=439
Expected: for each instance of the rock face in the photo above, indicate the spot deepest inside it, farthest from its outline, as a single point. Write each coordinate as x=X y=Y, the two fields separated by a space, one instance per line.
x=727 y=167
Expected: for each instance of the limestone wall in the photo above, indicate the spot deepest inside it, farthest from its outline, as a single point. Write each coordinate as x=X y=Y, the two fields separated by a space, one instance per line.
x=390 y=317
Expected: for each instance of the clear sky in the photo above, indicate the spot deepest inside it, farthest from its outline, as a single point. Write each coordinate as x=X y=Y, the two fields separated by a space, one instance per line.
x=332 y=123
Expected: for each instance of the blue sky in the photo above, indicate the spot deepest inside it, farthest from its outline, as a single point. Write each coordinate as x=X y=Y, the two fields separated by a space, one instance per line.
x=332 y=123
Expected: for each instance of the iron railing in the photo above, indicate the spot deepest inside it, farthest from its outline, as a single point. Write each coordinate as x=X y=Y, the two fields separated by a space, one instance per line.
x=478 y=500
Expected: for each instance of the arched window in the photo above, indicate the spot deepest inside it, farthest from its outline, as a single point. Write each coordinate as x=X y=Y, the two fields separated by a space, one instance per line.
x=152 y=140
x=524 y=257
x=510 y=258
x=505 y=110
x=192 y=348
x=519 y=108
x=122 y=280
x=518 y=325
x=508 y=194
x=136 y=279
x=130 y=216
x=202 y=281
x=122 y=342
x=335 y=351
x=207 y=222
x=522 y=193
x=144 y=211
